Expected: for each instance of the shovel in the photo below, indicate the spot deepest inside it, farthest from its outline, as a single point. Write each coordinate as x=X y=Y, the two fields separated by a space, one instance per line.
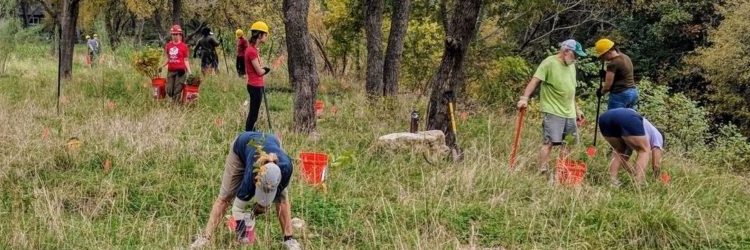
x=457 y=153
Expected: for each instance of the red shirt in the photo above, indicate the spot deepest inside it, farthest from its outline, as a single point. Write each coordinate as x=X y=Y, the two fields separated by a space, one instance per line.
x=241 y=47
x=177 y=54
x=253 y=78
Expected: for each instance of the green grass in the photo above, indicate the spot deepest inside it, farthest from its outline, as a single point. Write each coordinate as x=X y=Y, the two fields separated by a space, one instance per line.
x=167 y=161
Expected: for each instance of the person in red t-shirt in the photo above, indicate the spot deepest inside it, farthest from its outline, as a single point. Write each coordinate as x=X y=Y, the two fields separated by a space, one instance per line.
x=177 y=63
x=255 y=71
x=241 y=47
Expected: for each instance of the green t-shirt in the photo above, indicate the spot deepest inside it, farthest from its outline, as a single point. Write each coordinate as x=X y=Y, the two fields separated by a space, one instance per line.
x=558 y=87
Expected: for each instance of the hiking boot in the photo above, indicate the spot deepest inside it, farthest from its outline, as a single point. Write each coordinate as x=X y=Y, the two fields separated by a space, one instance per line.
x=292 y=244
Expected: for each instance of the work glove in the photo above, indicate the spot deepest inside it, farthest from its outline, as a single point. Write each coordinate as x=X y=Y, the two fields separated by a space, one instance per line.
x=292 y=244
x=245 y=220
x=523 y=102
x=266 y=70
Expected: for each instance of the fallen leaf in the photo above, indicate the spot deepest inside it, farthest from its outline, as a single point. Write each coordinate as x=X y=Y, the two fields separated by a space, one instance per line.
x=463 y=115
x=218 y=121
x=591 y=151
x=665 y=178
x=111 y=105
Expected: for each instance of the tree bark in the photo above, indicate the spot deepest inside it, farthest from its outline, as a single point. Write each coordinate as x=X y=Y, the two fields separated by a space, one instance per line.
x=449 y=76
x=177 y=12
x=301 y=62
x=373 y=26
x=399 y=24
x=68 y=21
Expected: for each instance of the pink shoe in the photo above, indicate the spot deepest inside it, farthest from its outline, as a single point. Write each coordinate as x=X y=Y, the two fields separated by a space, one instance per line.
x=246 y=238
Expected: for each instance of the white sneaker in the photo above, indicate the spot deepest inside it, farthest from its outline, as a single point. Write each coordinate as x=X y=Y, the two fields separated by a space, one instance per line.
x=292 y=244
x=199 y=242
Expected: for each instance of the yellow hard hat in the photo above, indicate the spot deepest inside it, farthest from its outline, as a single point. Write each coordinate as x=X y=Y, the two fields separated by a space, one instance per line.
x=239 y=33
x=602 y=46
x=259 y=26
x=88 y=37
x=95 y=35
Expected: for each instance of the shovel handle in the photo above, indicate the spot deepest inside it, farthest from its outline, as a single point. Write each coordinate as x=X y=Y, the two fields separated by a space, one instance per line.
x=517 y=137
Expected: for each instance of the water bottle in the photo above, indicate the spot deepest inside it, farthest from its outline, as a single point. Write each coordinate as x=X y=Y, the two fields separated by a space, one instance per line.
x=414 y=122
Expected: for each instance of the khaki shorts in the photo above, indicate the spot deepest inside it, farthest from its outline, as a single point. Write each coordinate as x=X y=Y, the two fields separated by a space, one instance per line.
x=234 y=170
x=556 y=128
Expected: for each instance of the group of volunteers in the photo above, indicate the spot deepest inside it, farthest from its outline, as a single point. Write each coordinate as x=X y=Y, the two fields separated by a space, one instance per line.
x=621 y=125
x=257 y=170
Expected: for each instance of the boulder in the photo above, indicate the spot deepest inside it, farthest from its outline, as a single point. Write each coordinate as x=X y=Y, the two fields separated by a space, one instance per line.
x=431 y=142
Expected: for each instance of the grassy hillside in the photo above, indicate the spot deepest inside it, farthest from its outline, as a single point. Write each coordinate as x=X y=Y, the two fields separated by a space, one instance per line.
x=166 y=163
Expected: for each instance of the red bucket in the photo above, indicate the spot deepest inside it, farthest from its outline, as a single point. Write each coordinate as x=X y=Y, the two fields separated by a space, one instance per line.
x=570 y=172
x=189 y=94
x=158 y=84
x=319 y=105
x=314 y=167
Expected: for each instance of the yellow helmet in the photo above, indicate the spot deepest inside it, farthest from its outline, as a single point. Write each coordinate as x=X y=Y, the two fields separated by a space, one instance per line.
x=95 y=35
x=238 y=33
x=602 y=46
x=88 y=37
x=259 y=26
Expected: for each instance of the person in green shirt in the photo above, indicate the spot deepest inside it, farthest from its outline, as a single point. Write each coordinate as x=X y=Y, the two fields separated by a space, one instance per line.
x=557 y=77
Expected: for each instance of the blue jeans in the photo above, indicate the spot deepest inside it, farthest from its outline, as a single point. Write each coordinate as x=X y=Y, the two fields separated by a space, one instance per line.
x=625 y=99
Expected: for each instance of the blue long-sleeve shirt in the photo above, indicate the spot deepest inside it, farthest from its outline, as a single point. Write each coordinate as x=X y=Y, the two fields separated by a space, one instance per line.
x=246 y=152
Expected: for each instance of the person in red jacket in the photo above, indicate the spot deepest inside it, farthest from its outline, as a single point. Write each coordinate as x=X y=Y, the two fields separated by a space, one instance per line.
x=178 y=63
x=255 y=71
x=241 y=47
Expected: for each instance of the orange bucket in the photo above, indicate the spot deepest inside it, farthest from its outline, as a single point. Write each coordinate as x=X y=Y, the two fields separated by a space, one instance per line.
x=319 y=107
x=570 y=172
x=189 y=94
x=159 y=84
x=314 y=167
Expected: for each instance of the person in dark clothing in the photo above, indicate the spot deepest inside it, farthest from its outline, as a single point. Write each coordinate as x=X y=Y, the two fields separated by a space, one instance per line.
x=207 y=47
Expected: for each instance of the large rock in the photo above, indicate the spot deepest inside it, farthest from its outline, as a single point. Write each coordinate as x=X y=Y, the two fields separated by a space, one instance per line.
x=430 y=142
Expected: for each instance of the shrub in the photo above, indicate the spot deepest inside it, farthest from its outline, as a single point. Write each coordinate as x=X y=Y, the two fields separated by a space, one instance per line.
x=729 y=150
x=147 y=62
x=501 y=81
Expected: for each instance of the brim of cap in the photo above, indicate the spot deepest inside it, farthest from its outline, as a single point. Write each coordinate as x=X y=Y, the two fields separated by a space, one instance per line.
x=580 y=53
x=264 y=198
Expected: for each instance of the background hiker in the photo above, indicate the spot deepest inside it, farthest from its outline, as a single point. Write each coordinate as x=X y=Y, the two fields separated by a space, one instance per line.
x=207 y=45
x=255 y=71
x=618 y=79
x=253 y=180
x=624 y=130
x=93 y=48
x=178 y=63
x=557 y=75
x=241 y=47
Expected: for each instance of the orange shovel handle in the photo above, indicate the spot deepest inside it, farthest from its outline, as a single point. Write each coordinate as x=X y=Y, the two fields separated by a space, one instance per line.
x=517 y=137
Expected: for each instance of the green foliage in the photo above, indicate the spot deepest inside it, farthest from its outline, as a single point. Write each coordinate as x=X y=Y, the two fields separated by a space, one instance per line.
x=8 y=29
x=725 y=65
x=147 y=62
x=501 y=81
x=423 y=48
x=729 y=150
x=683 y=122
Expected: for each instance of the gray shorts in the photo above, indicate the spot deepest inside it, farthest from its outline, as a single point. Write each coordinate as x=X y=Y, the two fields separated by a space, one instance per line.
x=556 y=128
x=234 y=171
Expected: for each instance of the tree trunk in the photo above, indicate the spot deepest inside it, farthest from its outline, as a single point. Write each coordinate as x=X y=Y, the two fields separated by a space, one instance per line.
x=449 y=76
x=301 y=62
x=399 y=23
x=68 y=20
x=24 y=13
x=373 y=26
x=177 y=12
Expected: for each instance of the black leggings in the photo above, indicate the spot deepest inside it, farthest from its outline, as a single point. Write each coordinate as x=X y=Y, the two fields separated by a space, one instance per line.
x=256 y=96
